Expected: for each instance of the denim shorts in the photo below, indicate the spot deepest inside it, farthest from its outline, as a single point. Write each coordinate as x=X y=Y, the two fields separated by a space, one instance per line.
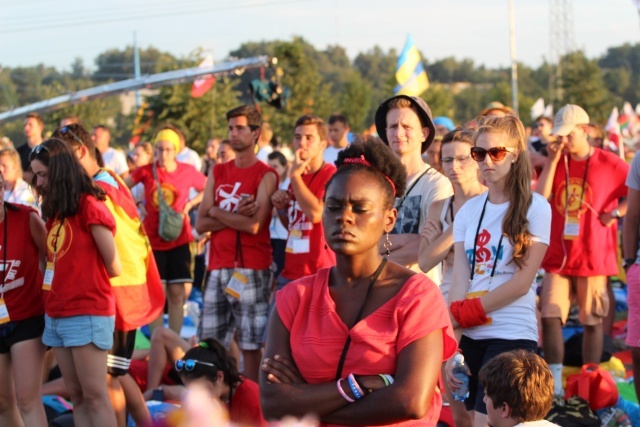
x=77 y=331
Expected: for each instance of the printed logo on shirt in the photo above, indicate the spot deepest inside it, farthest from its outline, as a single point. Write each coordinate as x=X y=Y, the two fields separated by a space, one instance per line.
x=575 y=191
x=168 y=191
x=297 y=219
x=228 y=196
x=10 y=270
x=485 y=254
x=408 y=221
x=59 y=239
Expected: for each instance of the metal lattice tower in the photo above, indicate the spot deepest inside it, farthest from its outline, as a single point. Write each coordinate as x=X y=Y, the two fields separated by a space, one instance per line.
x=561 y=42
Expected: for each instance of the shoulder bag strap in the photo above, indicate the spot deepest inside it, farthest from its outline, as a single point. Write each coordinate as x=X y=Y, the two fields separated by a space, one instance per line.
x=161 y=200
x=343 y=356
x=413 y=184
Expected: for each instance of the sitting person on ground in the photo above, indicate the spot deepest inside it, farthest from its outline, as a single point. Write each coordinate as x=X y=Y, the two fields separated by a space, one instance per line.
x=518 y=390
x=208 y=364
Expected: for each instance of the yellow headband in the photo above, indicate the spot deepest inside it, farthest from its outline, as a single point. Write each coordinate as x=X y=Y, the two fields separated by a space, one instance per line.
x=170 y=136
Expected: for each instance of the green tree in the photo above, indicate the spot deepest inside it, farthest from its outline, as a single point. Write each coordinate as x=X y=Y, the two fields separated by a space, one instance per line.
x=309 y=93
x=117 y=64
x=440 y=100
x=583 y=84
x=355 y=101
x=378 y=68
x=468 y=103
x=200 y=118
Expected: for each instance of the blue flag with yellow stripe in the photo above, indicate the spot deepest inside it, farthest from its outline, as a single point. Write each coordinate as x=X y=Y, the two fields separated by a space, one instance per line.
x=410 y=73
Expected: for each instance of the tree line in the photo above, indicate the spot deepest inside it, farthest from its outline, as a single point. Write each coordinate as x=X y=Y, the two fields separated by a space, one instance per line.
x=322 y=81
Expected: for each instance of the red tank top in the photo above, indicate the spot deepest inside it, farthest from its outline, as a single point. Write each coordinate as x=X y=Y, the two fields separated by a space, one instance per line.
x=254 y=251
x=21 y=277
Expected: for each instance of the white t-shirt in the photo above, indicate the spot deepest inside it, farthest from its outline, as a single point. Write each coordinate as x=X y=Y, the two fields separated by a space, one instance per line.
x=22 y=194
x=414 y=208
x=331 y=155
x=190 y=157
x=518 y=319
x=115 y=160
x=263 y=154
x=276 y=229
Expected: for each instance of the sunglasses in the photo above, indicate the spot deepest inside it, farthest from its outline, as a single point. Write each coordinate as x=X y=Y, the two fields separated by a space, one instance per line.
x=190 y=364
x=65 y=130
x=36 y=150
x=496 y=153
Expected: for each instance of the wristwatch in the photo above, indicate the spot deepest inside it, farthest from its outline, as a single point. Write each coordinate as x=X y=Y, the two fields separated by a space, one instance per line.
x=616 y=213
x=628 y=262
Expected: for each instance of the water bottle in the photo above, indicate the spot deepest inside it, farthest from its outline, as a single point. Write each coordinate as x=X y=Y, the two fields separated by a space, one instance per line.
x=460 y=372
x=191 y=313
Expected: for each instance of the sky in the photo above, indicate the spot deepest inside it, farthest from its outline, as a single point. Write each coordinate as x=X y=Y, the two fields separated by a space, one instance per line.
x=55 y=32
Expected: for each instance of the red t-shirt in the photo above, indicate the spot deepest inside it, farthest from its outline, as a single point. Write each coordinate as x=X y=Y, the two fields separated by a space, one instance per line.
x=317 y=333
x=245 y=405
x=175 y=187
x=230 y=182
x=305 y=263
x=81 y=284
x=594 y=252
x=21 y=276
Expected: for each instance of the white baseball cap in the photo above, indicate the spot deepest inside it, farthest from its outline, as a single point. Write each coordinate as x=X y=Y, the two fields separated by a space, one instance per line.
x=567 y=118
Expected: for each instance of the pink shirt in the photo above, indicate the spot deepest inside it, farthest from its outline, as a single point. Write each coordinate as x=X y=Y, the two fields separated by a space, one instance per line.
x=317 y=334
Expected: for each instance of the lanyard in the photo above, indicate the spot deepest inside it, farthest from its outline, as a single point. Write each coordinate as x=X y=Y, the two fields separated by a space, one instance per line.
x=406 y=194
x=55 y=242
x=413 y=184
x=475 y=243
x=311 y=180
x=343 y=356
x=566 y=188
x=451 y=208
x=4 y=250
x=239 y=251
x=290 y=191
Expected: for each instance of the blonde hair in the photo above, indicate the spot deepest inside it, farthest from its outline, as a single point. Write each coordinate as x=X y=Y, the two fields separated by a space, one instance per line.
x=15 y=157
x=518 y=185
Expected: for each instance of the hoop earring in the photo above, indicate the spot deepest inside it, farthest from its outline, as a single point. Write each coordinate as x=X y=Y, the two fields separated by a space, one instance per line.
x=387 y=244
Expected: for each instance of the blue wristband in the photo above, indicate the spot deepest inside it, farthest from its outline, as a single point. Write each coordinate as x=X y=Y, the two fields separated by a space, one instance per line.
x=354 y=389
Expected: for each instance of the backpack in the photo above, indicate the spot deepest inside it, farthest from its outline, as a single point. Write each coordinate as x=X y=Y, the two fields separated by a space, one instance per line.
x=573 y=412
x=171 y=221
x=595 y=385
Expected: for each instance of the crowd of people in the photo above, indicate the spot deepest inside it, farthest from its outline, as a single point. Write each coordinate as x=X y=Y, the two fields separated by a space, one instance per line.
x=342 y=275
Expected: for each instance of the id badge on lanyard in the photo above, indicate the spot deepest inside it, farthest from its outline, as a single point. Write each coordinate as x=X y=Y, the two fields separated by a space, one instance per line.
x=571 y=227
x=48 y=275
x=298 y=243
x=51 y=265
x=4 y=312
x=236 y=284
x=572 y=222
x=238 y=280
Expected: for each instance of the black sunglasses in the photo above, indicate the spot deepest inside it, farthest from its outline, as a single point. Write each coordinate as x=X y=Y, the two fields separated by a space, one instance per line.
x=496 y=153
x=36 y=150
x=190 y=364
x=65 y=130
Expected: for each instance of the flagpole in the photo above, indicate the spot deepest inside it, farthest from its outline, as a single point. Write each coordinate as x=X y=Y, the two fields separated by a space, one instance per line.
x=514 y=64
x=136 y=67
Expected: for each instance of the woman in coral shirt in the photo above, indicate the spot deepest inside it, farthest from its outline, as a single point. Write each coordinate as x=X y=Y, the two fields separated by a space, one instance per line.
x=360 y=343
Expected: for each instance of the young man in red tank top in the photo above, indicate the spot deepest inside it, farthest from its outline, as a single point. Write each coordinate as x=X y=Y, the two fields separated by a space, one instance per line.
x=236 y=209
x=300 y=207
